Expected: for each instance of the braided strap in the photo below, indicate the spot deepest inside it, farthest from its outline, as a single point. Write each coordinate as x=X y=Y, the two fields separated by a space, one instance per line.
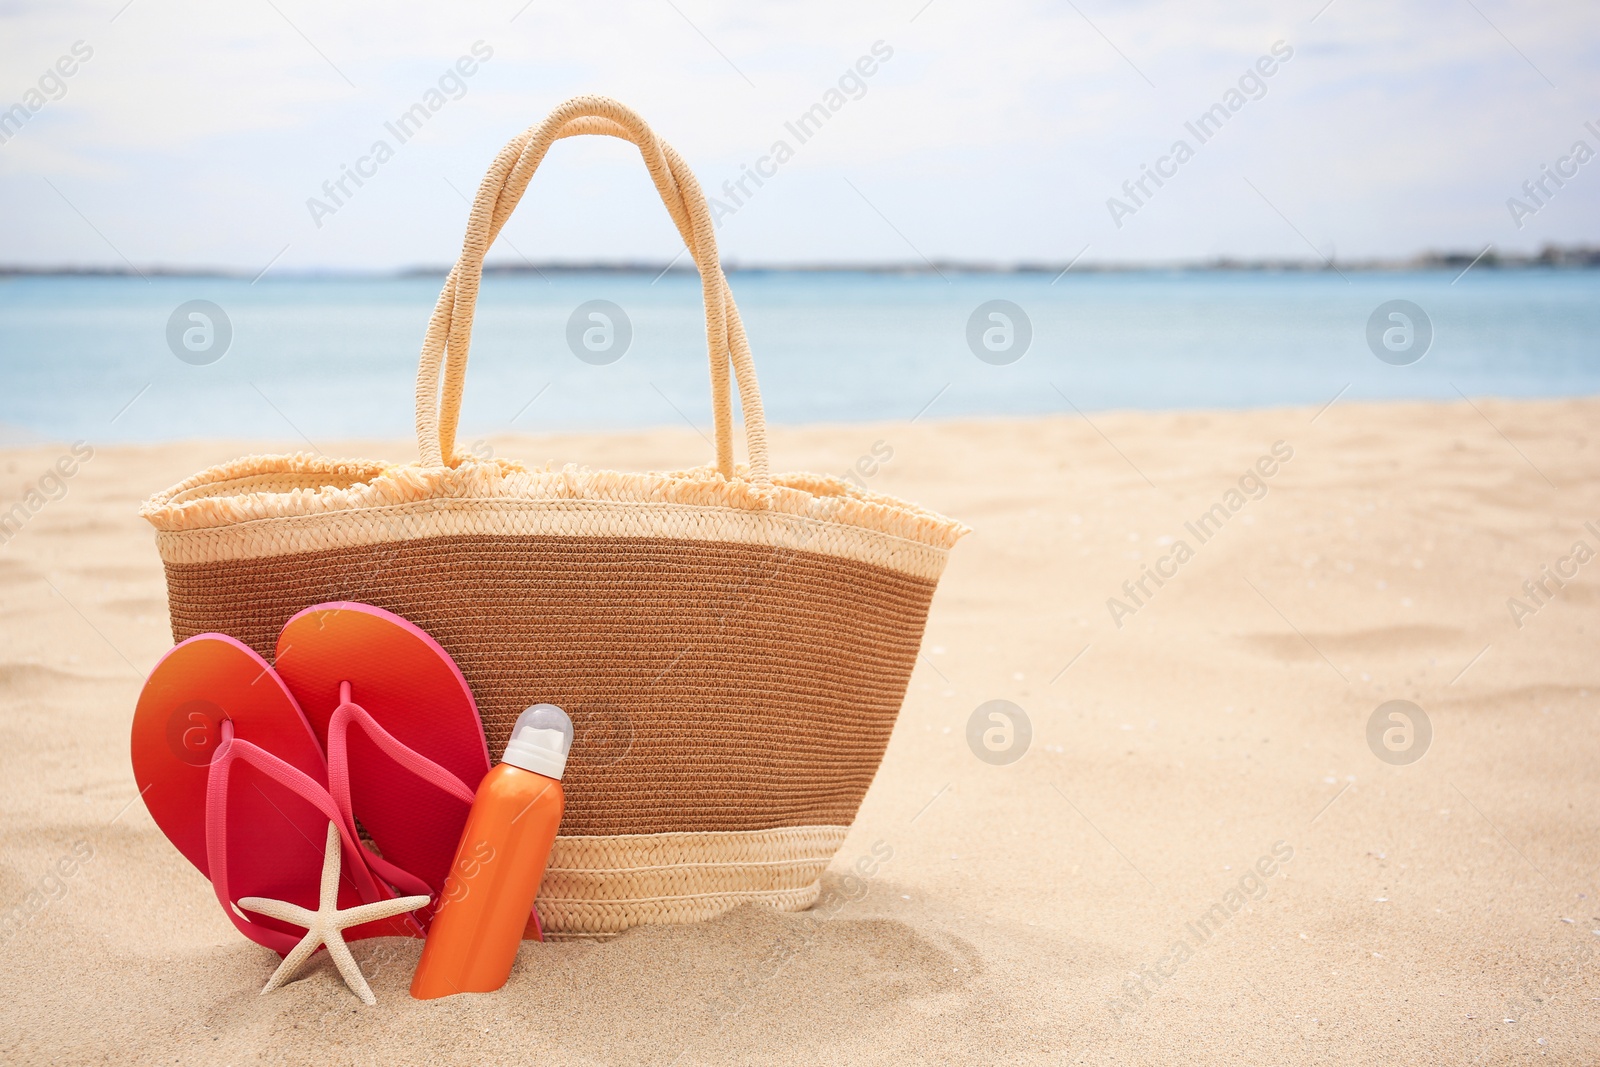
x=449 y=333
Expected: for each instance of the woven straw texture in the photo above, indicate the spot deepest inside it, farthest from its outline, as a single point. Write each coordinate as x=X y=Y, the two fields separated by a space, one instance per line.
x=600 y=886
x=733 y=647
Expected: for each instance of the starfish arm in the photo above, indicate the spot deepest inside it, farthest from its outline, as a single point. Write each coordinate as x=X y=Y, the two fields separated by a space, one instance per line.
x=381 y=909
x=330 y=870
x=323 y=926
x=279 y=909
x=293 y=961
x=349 y=968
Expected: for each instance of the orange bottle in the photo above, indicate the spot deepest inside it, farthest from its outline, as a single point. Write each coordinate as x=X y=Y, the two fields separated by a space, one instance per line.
x=477 y=929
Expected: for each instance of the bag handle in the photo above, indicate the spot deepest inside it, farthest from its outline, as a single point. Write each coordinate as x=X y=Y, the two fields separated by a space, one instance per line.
x=450 y=328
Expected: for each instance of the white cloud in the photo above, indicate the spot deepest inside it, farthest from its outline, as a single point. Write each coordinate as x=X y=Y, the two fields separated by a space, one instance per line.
x=196 y=133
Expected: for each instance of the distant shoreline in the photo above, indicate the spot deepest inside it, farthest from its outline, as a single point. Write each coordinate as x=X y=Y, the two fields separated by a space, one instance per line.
x=1568 y=258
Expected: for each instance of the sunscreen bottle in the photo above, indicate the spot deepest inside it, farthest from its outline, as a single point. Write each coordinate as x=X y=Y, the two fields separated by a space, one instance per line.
x=477 y=929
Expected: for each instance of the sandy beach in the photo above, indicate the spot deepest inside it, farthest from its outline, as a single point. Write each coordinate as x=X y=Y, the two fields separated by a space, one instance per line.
x=1199 y=773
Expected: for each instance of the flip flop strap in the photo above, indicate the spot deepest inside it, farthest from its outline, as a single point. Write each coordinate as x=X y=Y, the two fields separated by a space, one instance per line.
x=285 y=774
x=349 y=712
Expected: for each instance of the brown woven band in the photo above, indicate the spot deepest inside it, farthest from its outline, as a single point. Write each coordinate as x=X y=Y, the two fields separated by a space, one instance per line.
x=713 y=686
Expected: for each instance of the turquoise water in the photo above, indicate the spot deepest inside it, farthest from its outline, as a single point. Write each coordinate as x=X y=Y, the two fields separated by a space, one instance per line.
x=326 y=358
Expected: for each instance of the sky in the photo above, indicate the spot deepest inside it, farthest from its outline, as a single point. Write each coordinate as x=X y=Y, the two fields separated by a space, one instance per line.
x=201 y=135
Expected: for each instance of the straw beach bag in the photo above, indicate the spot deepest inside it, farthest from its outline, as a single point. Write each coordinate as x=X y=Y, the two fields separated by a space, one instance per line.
x=733 y=646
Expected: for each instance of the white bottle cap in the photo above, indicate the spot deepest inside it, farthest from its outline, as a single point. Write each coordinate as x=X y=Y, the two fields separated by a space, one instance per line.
x=540 y=741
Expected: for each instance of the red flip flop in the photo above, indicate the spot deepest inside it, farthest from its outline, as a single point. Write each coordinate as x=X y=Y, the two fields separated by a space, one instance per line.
x=401 y=729
x=232 y=774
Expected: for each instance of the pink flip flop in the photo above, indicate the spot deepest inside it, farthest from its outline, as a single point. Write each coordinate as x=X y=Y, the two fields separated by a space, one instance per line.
x=401 y=729
x=232 y=774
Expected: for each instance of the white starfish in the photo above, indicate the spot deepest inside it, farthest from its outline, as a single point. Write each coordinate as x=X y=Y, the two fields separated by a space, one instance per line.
x=325 y=926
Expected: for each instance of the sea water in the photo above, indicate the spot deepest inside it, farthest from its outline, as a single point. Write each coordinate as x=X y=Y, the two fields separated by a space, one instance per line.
x=314 y=359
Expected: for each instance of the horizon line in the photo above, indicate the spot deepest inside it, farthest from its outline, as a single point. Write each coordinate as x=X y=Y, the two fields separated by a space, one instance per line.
x=1575 y=256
